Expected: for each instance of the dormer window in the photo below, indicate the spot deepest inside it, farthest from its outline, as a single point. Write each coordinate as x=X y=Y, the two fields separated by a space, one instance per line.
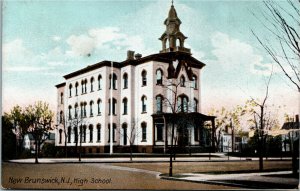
x=182 y=81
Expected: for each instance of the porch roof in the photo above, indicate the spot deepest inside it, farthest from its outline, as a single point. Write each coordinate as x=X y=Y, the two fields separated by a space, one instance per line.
x=195 y=115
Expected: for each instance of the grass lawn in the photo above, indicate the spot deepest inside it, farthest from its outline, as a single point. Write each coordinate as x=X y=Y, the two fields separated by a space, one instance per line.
x=208 y=167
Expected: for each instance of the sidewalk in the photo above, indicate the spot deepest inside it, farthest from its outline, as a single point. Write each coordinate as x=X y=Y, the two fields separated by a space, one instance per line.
x=264 y=180
x=119 y=158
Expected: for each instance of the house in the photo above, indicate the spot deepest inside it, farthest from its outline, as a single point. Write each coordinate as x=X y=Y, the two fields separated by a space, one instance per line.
x=291 y=129
x=108 y=106
x=29 y=142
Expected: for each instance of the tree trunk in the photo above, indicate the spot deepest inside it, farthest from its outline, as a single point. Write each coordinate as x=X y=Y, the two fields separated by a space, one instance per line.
x=261 y=137
x=171 y=151
x=130 y=153
x=36 y=151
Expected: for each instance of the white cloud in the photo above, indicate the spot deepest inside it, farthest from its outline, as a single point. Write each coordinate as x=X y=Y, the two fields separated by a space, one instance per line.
x=81 y=45
x=56 y=38
x=234 y=54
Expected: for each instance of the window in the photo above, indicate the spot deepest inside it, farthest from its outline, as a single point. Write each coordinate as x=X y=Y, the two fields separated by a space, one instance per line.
x=70 y=112
x=182 y=103
x=83 y=133
x=82 y=87
x=195 y=105
x=76 y=89
x=159 y=76
x=124 y=127
x=60 y=136
x=99 y=102
x=69 y=134
x=70 y=90
x=84 y=109
x=144 y=106
x=182 y=81
x=99 y=82
x=159 y=105
x=113 y=81
x=76 y=110
x=92 y=85
x=125 y=103
x=114 y=132
x=144 y=131
x=61 y=98
x=194 y=82
x=196 y=133
x=125 y=81
x=61 y=117
x=98 y=132
x=85 y=82
x=91 y=133
x=113 y=109
x=91 y=108
x=144 y=78
x=76 y=134
x=81 y=109
x=159 y=130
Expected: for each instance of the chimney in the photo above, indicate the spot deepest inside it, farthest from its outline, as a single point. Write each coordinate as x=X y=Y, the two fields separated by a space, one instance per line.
x=137 y=56
x=297 y=118
x=130 y=55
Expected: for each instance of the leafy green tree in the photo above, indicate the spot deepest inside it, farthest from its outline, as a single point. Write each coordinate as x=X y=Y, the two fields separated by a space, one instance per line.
x=9 y=146
x=40 y=118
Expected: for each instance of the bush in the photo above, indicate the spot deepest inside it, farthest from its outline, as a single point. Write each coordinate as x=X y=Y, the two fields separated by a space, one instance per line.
x=25 y=154
x=49 y=150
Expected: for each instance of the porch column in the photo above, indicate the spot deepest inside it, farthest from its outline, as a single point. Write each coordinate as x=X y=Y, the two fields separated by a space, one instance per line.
x=213 y=135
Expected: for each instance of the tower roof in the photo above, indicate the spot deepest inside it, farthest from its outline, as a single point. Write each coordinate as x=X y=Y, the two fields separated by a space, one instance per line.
x=172 y=16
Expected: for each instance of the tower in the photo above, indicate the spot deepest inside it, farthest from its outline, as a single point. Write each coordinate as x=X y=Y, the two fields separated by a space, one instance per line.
x=172 y=39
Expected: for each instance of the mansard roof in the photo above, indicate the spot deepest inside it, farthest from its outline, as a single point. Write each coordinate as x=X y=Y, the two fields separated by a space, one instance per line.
x=167 y=57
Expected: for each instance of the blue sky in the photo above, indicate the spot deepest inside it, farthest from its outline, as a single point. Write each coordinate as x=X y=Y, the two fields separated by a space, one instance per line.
x=44 y=40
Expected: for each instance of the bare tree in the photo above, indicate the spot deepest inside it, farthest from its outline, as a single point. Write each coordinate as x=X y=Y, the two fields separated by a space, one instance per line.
x=282 y=22
x=78 y=121
x=176 y=108
x=131 y=136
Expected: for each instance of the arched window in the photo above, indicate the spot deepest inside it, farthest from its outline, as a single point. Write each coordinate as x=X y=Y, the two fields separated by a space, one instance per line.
x=98 y=132
x=125 y=81
x=113 y=109
x=182 y=81
x=82 y=87
x=91 y=108
x=60 y=136
x=76 y=134
x=85 y=82
x=113 y=133
x=84 y=109
x=182 y=102
x=70 y=90
x=92 y=84
x=125 y=106
x=159 y=77
x=144 y=131
x=83 y=134
x=159 y=105
x=61 y=117
x=195 y=105
x=144 y=106
x=70 y=112
x=69 y=134
x=99 y=102
x=76 y=110
x=144 y=78
x=61 y=98
x=81 y=109
x=91 y=132
x=194 y=82
x=124 y=127
x=76 y=89
x=99 y=82
x=113 y=81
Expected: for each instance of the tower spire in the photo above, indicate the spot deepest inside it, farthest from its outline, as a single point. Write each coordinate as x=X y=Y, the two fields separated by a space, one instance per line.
x=172 y=39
